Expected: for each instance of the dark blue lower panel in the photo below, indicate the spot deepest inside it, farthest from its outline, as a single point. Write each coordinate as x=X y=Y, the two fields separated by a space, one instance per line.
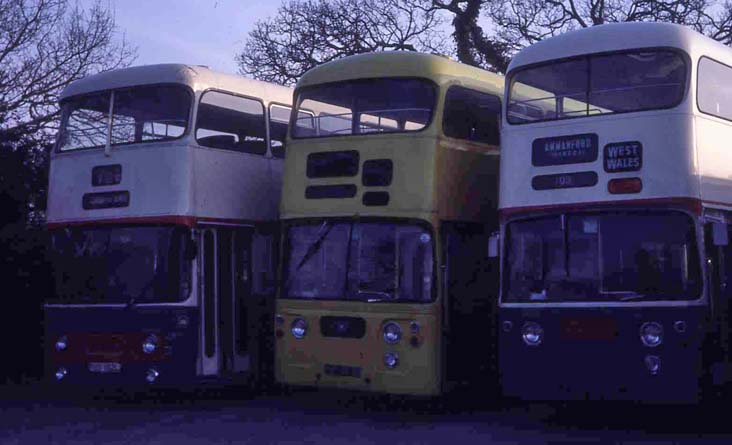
x=603 y=365
x=177 y=365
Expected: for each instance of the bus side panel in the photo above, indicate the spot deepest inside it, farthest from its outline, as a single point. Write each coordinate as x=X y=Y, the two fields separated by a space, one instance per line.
x=468 y=182
x=712 y=151
x=221 y=174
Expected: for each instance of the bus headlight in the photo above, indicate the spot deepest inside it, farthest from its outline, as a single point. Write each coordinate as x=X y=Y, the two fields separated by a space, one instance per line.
x=653 y=364
x=532 y=333
x=152 y=375
x=651 y=334
x=150 y=344
x=61 y=373
x=391 y=360
x=392 y=333
x=299 y=328
x=62 y=343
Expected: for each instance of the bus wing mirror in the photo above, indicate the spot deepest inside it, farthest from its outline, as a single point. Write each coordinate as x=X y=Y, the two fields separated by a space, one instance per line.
x=719 y=234
x=493 y=243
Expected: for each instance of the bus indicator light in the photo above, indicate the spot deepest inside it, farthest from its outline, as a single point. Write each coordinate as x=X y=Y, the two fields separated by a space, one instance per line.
x=624 y=186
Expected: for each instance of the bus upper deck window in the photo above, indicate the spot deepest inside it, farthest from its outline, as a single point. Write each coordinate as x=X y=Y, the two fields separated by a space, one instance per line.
x=150 y=113
x=364 y=106
x=84 y=122
x=231 y=122
x=620 y=82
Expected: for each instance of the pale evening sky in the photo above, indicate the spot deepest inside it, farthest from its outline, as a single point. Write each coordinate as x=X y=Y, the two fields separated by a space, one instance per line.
x=199 y=32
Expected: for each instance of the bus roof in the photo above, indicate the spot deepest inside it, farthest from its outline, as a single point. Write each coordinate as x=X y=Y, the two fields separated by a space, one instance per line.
x=395 y=64
x=198 y=77
x=616 y=37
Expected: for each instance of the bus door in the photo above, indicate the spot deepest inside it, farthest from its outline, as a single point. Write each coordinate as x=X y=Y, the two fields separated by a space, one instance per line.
x=471 y=285
x=226 y=302
x=719 y=251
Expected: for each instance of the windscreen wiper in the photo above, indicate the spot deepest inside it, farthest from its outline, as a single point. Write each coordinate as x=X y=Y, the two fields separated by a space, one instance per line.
x=324 y=230
x=132 y=300
x=632 y=296
x=379 y=296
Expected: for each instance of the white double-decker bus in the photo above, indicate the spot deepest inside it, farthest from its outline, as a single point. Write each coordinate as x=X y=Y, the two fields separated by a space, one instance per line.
x=615 y=203
x=163 y=196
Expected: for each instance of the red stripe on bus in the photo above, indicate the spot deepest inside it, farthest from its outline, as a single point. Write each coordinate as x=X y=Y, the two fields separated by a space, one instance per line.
x=188 y=221
x=693 y=204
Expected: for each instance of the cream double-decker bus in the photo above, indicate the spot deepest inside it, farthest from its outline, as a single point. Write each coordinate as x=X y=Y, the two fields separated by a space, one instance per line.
x=389 y=198
x=163 y=196
x=615 y=218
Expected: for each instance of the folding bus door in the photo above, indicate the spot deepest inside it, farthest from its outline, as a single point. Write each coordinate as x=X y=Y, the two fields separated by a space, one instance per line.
x=226 y=300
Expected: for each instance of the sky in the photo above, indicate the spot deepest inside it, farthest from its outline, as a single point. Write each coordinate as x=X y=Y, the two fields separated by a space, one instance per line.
x=197 y=32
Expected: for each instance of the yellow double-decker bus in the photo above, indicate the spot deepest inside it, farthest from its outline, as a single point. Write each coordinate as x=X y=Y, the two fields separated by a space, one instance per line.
x=389 y=199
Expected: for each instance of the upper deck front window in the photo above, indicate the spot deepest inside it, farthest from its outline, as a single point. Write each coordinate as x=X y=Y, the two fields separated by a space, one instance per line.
x=364 y=106
x=138 y=114
x=597 y=84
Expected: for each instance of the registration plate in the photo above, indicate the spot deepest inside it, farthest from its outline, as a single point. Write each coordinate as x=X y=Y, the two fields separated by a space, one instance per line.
x=105 y=367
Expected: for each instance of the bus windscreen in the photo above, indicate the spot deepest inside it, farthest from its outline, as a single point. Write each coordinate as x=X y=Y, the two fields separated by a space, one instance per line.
x=595 y=257
x=364 y=106
x=596 y=84
x=380 y=261
x=120 y=265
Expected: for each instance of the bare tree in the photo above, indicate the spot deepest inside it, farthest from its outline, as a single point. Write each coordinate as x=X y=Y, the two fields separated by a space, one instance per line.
x=522 y=22
x=306 y=33
x=473 y=46
x=44 y=46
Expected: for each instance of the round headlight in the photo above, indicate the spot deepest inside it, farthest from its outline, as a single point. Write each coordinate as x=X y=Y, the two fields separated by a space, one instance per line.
x=653 y=364
x=391 y=360
x=150 y=344
x=414 y=327
x=62 y=343
x=392 y=333
x=152 y=375
x=532 y=333
x=61 y=373
x=299 y=328
x=651 y=334
x=279 y=320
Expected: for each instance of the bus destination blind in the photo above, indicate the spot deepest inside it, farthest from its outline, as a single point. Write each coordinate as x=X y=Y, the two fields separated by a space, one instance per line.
x=105 y=200
x=560 y=150
x=564 y=180
x=106 y=175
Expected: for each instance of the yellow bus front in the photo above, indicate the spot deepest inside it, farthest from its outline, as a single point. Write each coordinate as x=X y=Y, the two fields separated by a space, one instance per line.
x=369 y=178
